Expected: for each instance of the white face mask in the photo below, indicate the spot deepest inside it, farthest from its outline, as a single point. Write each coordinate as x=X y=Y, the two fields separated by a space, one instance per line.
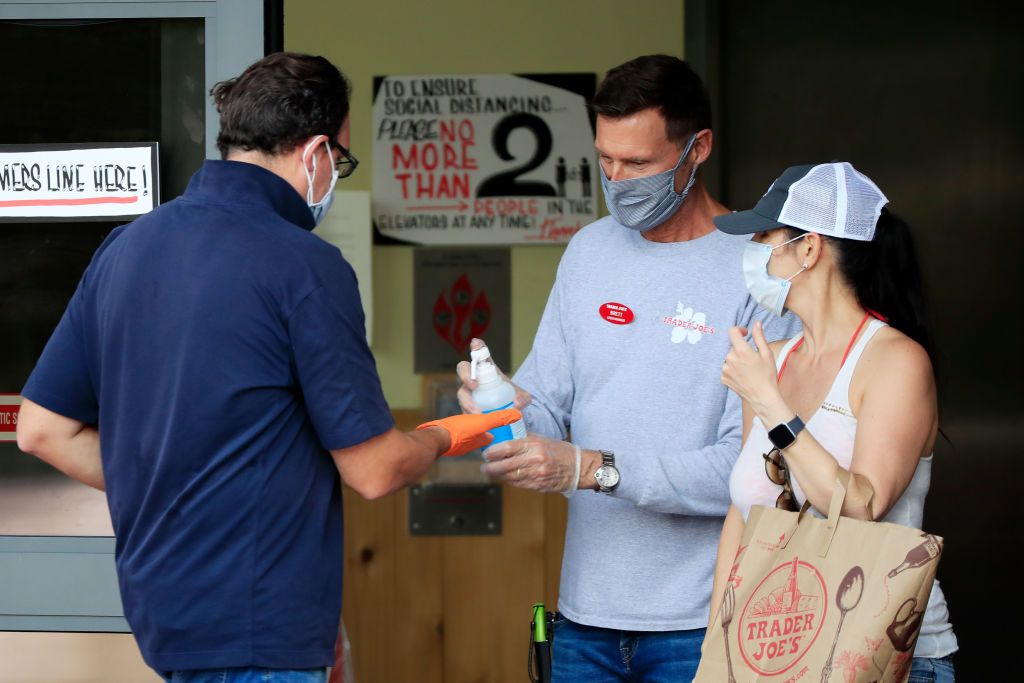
x=321 y=207
x=767 y=290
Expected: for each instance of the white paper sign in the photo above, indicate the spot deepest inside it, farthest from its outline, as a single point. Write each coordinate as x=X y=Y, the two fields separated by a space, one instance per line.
x=487 y=159
x=77 y=183
x=347 y=226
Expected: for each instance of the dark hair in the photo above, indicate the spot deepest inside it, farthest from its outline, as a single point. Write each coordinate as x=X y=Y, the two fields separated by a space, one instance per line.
x=279 y=102
x=656 y=81
x=885 y=276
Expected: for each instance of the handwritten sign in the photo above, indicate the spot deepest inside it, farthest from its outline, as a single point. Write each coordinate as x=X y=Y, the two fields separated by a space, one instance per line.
x=488 y=159
x=76 y=182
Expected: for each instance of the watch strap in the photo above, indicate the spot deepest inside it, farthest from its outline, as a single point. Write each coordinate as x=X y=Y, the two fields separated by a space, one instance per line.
x=784 y=434
x=796 y=425
x=607 y=460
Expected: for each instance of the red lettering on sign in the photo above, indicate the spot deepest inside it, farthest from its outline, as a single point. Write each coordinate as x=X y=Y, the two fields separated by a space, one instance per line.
x=505 y=207
x=8 y=418
x=550 y=230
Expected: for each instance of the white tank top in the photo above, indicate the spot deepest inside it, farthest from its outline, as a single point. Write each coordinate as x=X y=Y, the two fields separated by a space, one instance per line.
x=834 y=426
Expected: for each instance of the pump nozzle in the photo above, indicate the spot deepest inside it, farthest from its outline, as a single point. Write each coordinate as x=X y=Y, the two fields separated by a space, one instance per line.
x=477 y=356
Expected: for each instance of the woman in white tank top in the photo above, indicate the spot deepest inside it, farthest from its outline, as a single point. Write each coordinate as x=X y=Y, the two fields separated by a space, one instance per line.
x=852 y=391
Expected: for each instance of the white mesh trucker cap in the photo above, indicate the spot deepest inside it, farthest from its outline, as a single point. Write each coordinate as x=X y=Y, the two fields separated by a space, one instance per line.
x=830 y=199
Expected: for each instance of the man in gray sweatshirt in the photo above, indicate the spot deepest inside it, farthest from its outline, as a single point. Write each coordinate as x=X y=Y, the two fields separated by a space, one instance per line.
x=627 y=363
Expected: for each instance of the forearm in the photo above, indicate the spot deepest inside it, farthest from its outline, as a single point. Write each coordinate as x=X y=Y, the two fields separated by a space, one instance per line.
x=688 y=482
x=424 y=448
x=547 y=373
x=77 y=456
x=73 y=447
x=589 y=462
x=816 y=469
x=390 y=461
x=540 y=419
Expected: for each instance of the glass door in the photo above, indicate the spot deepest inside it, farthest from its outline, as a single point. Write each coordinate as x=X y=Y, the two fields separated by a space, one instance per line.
x=89 y=74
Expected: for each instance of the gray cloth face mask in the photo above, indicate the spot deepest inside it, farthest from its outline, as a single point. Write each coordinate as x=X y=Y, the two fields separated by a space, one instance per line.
x=647 y=202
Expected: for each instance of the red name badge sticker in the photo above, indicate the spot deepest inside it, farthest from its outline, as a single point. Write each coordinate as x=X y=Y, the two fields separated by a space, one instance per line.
x=615 y=313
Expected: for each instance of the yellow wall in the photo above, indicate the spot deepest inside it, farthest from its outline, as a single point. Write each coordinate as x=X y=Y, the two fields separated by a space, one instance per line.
x=379 y=37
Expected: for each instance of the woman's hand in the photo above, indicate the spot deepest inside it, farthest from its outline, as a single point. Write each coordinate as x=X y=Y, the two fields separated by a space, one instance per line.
x=751 y=373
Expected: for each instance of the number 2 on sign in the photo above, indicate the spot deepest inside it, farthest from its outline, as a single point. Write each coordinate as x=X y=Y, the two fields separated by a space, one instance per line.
x=506 y=183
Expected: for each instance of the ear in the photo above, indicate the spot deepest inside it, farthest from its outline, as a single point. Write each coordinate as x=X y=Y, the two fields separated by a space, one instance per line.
x=307 y=149
x=702 y=146
x=809 y=249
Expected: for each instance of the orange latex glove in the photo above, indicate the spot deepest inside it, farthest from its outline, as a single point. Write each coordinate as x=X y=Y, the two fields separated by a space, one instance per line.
x=469 y=432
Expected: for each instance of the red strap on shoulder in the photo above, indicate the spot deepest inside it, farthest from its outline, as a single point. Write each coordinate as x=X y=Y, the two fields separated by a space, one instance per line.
x=785 y=361
x=856 y=333
x=849 y=347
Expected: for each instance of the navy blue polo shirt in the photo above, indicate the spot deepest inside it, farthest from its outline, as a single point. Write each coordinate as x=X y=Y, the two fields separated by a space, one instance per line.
x=220 y=347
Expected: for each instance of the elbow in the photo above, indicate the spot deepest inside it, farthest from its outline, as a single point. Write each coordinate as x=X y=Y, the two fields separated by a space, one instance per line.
x=31 y=439
x=876 y=512
x=372 y=492
x=373 y=488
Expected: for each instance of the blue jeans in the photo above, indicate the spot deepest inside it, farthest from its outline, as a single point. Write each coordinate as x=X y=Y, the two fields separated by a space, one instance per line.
x=925 y=670
x=588 y=654
x=249 y=675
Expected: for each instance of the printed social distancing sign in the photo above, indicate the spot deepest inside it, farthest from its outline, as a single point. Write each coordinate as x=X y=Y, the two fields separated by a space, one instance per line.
x=78 y=181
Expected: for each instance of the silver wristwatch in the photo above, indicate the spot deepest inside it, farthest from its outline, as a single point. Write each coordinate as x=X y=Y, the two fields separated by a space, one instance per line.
x=607 y=475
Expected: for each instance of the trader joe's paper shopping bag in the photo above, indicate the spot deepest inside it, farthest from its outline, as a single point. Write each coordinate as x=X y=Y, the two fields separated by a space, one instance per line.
x=834 y=600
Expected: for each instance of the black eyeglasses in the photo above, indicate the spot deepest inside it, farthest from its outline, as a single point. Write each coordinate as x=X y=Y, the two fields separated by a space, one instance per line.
x=778 y=473
x=345 y=164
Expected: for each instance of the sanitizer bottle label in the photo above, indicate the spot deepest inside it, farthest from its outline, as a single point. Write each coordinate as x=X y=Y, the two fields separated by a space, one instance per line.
x=516 y=430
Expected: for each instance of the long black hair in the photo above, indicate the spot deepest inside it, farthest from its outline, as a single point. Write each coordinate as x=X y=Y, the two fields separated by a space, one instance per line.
x=885 y=276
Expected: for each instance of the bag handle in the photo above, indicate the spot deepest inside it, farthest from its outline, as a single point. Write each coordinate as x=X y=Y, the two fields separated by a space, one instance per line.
x=835 y=508
x=784 y=541
x=839 y=490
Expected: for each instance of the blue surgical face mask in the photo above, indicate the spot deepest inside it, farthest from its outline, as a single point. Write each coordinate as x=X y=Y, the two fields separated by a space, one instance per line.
x=767 y=290
x=321 y=207
x=647 y=202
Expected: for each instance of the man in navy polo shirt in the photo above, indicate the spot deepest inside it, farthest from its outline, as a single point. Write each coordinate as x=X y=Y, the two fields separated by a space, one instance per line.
x=214 y=352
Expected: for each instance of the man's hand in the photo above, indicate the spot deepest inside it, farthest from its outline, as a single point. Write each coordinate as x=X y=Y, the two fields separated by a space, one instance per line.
x=466 y=402
x=469 y=432
x=540 y=464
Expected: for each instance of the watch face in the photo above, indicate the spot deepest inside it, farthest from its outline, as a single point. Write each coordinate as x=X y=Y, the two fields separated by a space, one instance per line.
x=607 y=476
x=781 y=437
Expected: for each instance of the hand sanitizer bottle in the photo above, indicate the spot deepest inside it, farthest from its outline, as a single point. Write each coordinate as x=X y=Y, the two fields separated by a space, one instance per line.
x=493 y=393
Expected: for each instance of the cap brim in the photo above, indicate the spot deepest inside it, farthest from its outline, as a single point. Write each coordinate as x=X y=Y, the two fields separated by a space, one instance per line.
x=745 y=223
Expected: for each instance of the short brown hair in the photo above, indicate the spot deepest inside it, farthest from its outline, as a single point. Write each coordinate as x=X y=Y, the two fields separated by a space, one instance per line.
x=656 y=82
x=280 y=101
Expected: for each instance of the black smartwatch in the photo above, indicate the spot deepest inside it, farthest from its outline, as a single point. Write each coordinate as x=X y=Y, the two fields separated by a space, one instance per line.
x=607 y=475
x=784 y=434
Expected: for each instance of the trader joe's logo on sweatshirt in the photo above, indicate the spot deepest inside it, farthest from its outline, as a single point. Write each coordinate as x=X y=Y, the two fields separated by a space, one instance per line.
x=687 y=325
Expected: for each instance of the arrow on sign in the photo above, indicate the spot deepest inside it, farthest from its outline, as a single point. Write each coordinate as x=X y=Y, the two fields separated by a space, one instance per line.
x=461 y=206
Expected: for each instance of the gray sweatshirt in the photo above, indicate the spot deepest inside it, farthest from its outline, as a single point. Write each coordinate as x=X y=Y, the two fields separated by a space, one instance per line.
x=628 y=356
